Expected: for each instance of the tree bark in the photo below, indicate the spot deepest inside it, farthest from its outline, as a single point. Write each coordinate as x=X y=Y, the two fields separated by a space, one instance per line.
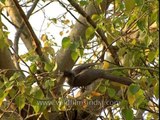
x=17 y=20
x=6 y=62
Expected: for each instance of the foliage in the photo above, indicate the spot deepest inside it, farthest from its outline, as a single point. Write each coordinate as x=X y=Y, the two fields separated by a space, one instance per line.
x=131 y=29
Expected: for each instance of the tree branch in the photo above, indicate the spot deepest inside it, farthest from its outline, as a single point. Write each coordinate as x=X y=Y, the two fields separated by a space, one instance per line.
x=99 y=31
x=35 y=40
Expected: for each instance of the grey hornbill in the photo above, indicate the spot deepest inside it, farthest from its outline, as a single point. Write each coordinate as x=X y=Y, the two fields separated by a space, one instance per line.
x=83 y=75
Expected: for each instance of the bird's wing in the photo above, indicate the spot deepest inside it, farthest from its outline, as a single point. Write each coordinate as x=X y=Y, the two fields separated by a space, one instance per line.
x=82 y=67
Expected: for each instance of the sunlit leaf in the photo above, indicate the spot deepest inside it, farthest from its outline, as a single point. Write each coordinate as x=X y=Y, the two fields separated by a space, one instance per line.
x=2 y=96
x=33 y=68
x=95 y=17
x=131 y=99
x=49 y=83
x=44 y=37
x=129 y=4
x=66 y=21
x=48 y=66
x=80 y=52
x=37 y=105
x=66 y=42
x=140 y=99
x=55 y=67
x=152 y=55
x=89 y=33
x=16 y=75
x=74 y=55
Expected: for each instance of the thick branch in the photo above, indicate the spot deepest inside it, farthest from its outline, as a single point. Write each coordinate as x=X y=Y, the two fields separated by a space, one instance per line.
x=35 y=40
x=63 y=58
x=17 y=21
x=99 y=31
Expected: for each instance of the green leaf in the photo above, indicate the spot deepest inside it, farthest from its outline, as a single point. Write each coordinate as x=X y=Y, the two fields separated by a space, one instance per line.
x=2 y=95
x=128 y=114
x=30 y=56
x=15 y=76
x=66 y=42
x=156 y=90
x=83 y=2
x=54 y=20
x=95 y=17
x=3 y=1
x=152 y=55
x=37 y=93
x=123 y=104
x=80 y=52
x=74 y=55
x=107 y=83
x=129 y=4
x=111 y=92
x=141 y=24
x=139 y=2
x=49 y=83
x=134 y=88
x=99 y=1
x=33 y=68
x=3 y=40
x=140 y=99
x=122 y=51
x=48 y=66
x=128 y=59
x=20 y=101
x=102 y=89
x=90 y=33
x=35 y=105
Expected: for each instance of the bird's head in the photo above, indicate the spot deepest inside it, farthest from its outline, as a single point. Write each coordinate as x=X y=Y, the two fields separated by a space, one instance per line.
x=67 y=73
x=69 y=77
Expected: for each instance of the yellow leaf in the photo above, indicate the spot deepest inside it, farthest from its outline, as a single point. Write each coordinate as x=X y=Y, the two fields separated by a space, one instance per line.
x=66 y=21
x=61 y=33
x=131 y=99
x=44 y=37
x=63 y=108
x=118 y=85
x=143 y=83
x=84 y=104
x=133 y=42
x=105 y=65
x=94 y=93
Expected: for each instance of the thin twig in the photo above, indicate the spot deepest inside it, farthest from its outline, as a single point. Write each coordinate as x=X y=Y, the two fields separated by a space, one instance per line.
x=38 y=83
x=142 y=68
x=71 y=13
x=35 y=40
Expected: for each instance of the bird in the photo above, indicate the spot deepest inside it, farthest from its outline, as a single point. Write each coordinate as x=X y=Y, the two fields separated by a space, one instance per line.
x=71 y=75
x=83 y=76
